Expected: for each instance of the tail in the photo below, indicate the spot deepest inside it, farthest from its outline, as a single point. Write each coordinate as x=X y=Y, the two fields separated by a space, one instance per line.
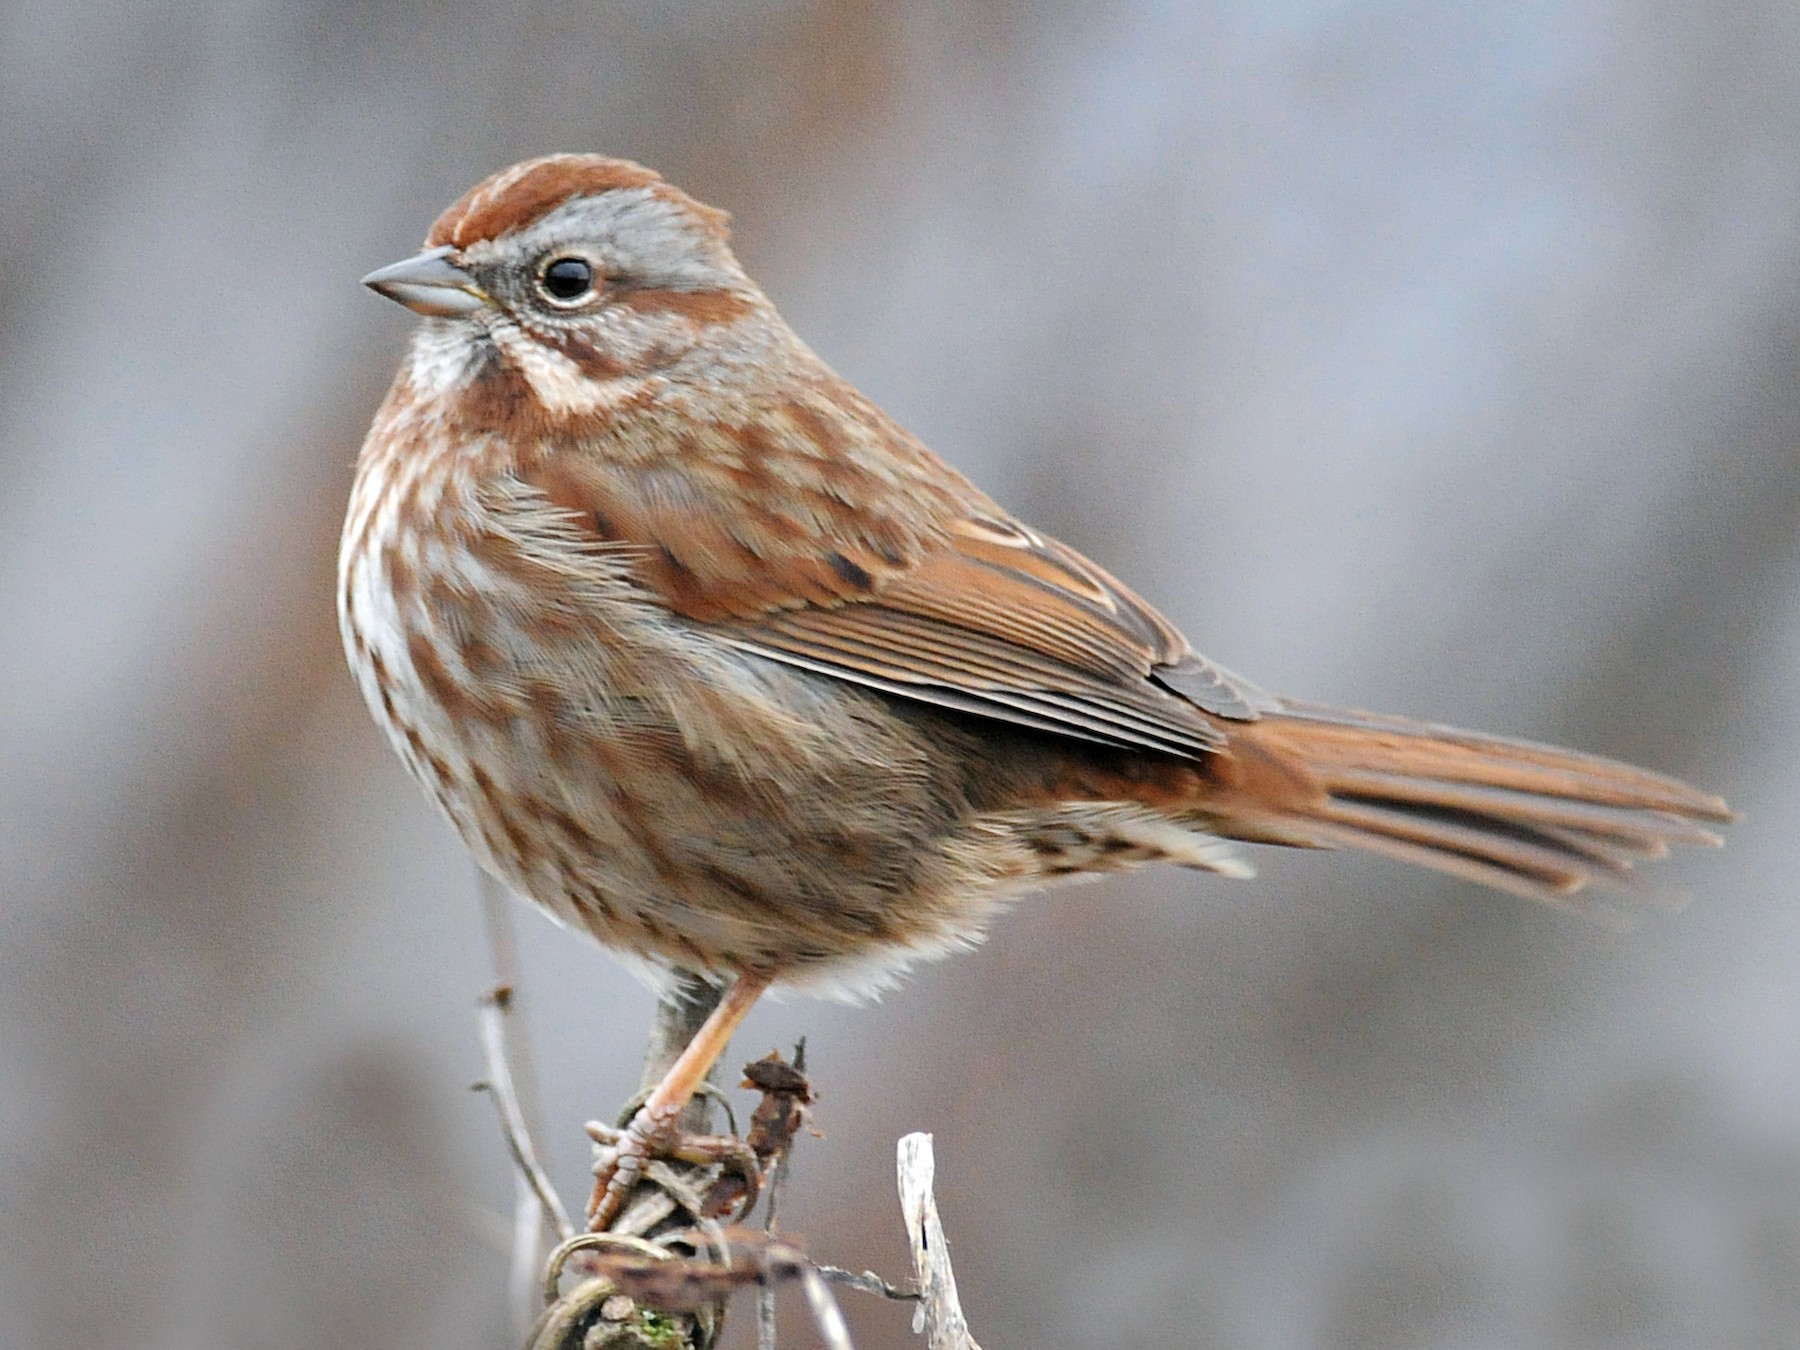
x=1531 y=819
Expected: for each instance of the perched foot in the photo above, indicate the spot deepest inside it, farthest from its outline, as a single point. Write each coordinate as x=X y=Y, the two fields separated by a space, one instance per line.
x=653 y=1131
x=735 y=1188
x=651 y=1134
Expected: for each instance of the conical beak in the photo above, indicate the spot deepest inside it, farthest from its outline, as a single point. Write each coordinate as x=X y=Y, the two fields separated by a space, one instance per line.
x=429 y=284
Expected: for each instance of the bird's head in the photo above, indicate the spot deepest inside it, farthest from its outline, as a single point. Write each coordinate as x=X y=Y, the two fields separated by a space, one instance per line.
x=575 y=272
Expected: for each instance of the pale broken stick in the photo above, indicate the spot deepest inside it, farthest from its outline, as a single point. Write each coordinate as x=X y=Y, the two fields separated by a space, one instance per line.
x=939 y=1310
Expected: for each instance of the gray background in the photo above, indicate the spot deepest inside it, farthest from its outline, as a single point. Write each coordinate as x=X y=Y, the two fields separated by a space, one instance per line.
x=1428 y=356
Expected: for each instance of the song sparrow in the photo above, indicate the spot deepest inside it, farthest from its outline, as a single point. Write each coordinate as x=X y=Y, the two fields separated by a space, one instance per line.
x=703 y=652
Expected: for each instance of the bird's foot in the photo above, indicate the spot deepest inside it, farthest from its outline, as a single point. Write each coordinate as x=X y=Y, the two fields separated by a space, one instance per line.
x=654 y=1130
x=625 y=1155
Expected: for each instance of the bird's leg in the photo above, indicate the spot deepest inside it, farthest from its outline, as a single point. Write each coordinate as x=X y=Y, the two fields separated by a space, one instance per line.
x=653 y=1129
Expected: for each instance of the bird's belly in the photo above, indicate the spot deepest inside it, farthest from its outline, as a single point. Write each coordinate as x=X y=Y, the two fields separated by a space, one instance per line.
x=681 y=801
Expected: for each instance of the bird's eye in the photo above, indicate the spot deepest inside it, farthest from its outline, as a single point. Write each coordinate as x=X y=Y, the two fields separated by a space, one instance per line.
x=566 y=280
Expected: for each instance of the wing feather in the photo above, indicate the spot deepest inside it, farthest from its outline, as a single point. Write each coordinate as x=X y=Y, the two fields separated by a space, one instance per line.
x=908 y=652
x=894 y=573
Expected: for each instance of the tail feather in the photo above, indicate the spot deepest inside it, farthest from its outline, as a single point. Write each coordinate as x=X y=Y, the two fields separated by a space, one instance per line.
x=1531 y=819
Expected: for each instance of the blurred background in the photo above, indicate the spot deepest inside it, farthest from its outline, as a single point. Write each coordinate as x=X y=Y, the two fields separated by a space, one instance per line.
x=1424 y=356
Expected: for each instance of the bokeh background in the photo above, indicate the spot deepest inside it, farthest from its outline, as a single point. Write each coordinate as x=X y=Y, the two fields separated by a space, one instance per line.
x=1428 y=356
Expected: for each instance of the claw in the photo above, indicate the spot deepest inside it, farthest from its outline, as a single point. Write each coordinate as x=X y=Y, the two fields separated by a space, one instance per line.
x=653 y=1130
x=650 y=1134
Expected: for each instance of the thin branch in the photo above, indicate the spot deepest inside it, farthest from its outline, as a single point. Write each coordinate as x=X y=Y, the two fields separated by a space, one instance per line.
x=765 y=1317
x=867 y=1283
x=499 y=1086
x=525 y=1247
x=530 y=1214
x=684 y=1284
x=945 y=1326
x=776 y=1120
x=681 y=1010
x=825 y=1310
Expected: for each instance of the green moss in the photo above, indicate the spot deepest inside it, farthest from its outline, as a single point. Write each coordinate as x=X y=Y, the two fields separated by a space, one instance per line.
x=662 y=1330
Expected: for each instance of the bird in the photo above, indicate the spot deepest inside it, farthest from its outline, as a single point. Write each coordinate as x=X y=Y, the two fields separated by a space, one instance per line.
x=707 y=655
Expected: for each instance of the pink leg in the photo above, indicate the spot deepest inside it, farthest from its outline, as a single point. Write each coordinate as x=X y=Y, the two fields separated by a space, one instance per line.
x=652 y=1129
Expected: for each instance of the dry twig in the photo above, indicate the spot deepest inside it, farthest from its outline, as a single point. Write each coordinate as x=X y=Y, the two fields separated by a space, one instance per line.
x=867 y=1283
x=662 y=1275
x=535 y=1204
x=499 y=1086
x=773 y=1125
x=939 y=1310
x=657 y=1279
